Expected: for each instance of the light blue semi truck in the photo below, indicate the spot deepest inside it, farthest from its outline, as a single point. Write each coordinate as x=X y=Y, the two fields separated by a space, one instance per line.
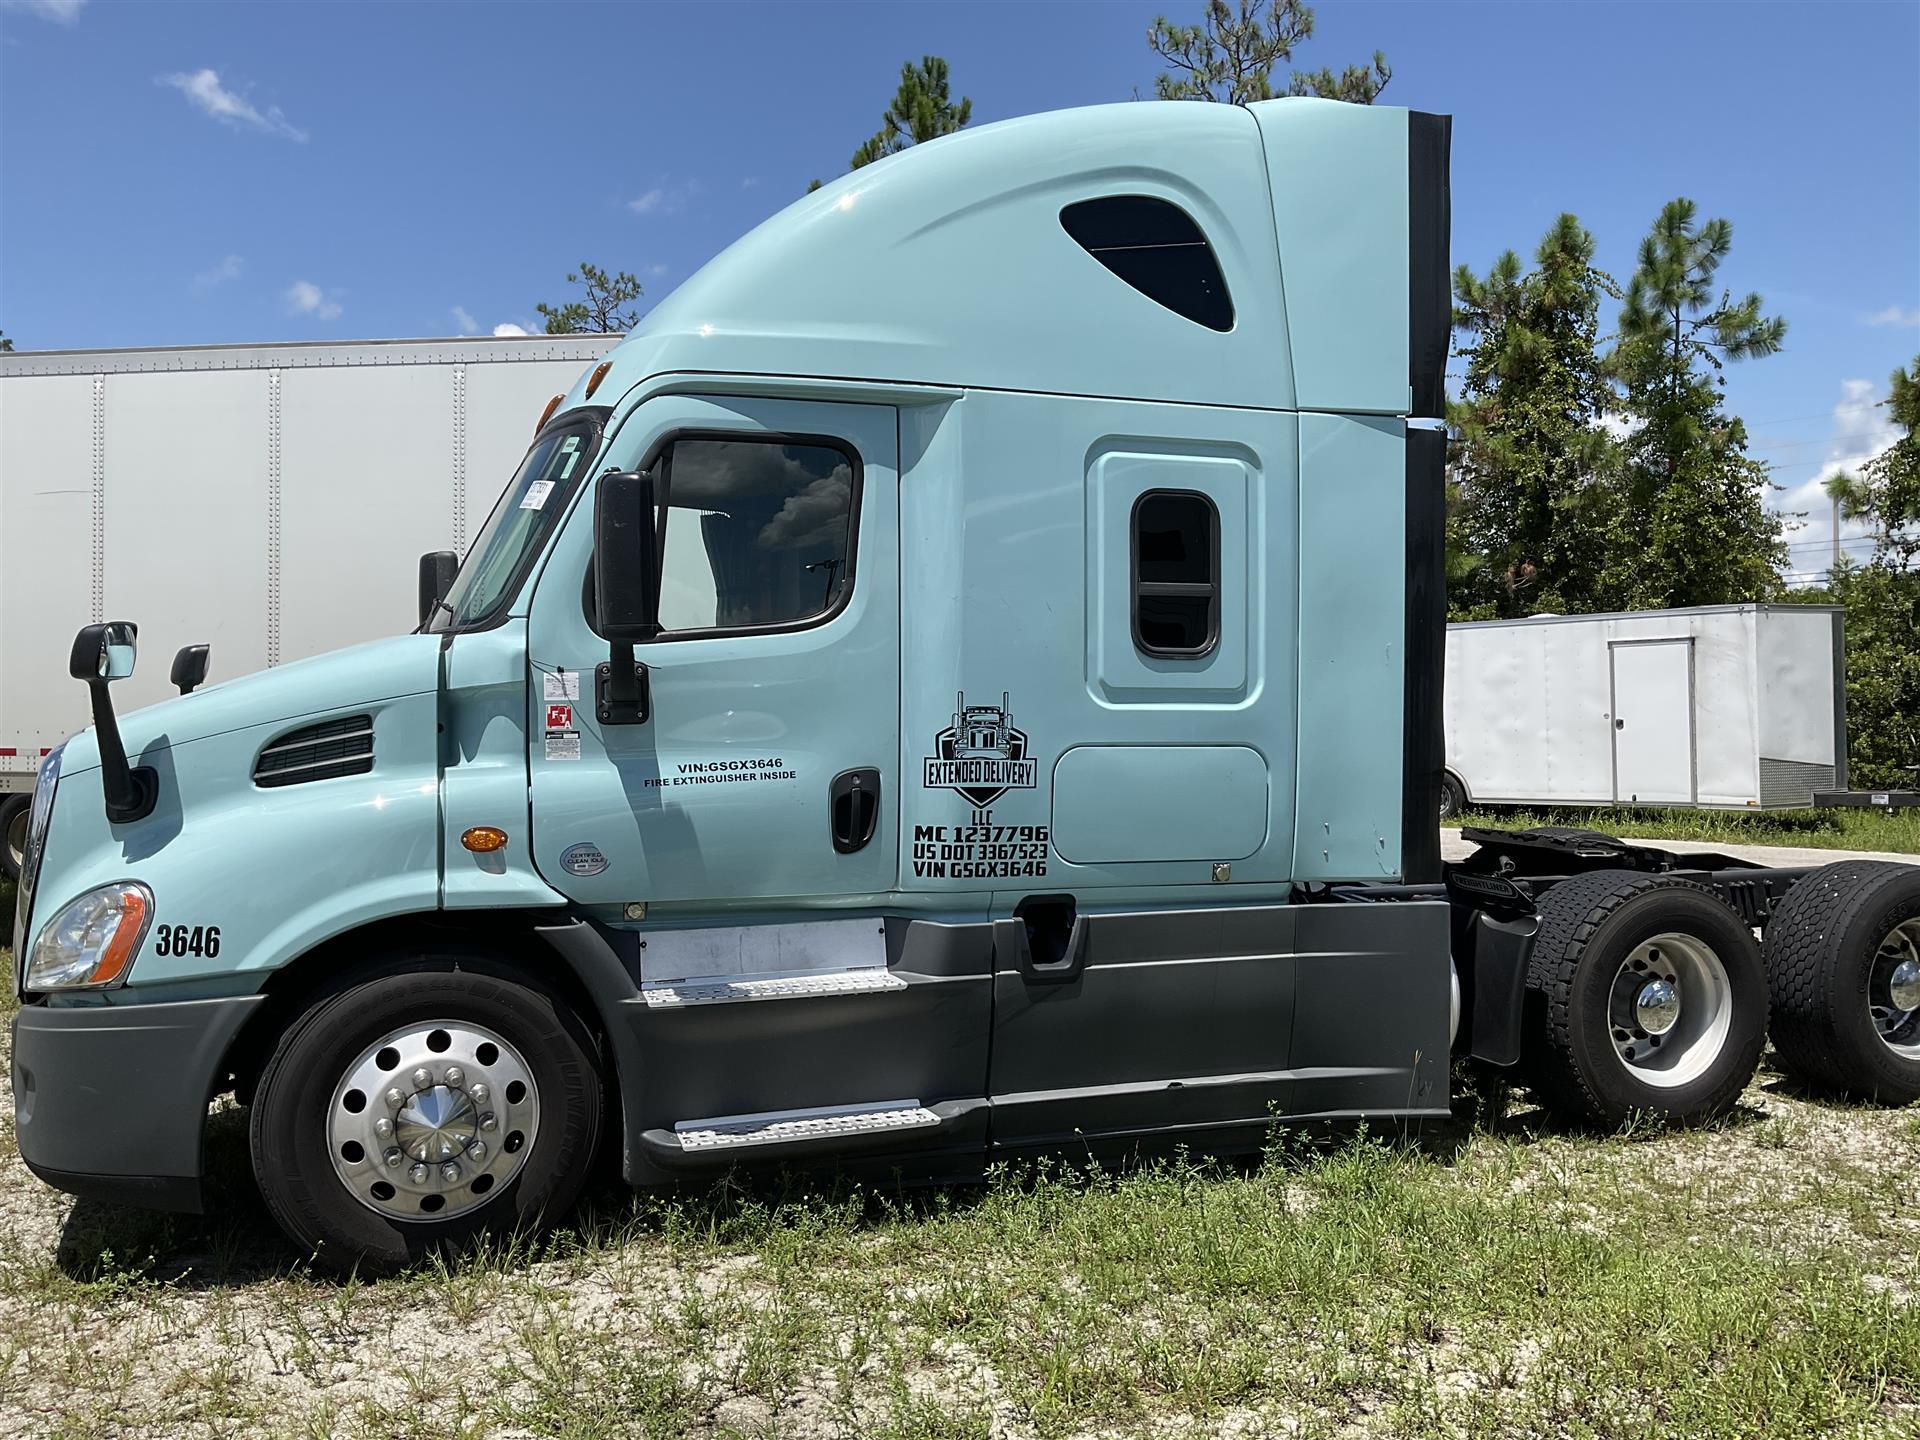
x=960 y=681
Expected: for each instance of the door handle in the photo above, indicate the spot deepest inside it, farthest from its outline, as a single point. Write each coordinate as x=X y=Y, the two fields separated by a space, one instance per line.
x=853 y=809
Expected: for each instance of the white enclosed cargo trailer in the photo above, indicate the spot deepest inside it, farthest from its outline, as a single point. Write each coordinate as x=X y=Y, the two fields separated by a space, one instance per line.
x=271 y=501
x=1725 y=706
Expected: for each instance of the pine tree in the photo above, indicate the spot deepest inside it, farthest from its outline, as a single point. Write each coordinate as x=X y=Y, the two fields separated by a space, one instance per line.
x=1704 y=534
x=1886 y=491
x=1232 y=53
x=922 y=110
x=600 y=311
x=1533 y=468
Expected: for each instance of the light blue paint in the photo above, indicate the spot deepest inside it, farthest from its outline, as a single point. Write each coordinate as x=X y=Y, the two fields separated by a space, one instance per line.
x=1352 y=655
x=1009 y=399
x=1122 y=803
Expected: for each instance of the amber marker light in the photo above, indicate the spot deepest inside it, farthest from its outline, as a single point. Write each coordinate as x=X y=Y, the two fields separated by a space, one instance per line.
x=118 y=952
x=599 y=374
x=546 y=414
x=484 y=839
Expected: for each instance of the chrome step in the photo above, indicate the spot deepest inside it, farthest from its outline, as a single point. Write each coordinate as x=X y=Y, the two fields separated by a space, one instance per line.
x=772 y=987
x=784 y=1126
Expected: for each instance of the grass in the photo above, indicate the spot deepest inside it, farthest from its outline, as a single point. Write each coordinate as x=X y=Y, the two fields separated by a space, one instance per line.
x=1751 y=1279
x=1812 y=829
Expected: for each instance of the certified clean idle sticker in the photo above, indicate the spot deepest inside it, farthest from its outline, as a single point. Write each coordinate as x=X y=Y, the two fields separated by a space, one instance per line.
x=583 y=859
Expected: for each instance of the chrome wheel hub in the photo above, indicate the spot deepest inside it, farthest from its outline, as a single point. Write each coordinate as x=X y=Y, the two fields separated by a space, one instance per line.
x=1893 y=990
x=1657 y=1007
x=431 y=1119
x=1670 y=1010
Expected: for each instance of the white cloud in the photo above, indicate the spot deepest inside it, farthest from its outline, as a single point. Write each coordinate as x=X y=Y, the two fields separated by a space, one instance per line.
x=217 y=275
x=509 y=328
x=468 y=325
x=1895 y=315
x=747 y=182
x=306 y=298
x=205 y=93
x=656 y=269
x=61 y=12
x=1861 y=430
x=646 y=204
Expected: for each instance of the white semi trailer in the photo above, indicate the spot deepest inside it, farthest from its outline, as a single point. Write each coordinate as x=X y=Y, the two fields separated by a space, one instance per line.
x=270 y=501
x=1721 y=706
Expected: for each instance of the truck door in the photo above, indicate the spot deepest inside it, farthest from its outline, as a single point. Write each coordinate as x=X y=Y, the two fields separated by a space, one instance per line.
x=1653 y=721
x=768 y=766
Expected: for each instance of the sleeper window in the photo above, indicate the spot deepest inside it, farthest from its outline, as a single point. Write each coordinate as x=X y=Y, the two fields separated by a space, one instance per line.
x=1176 y=573
x=758 y=533
x=1157 y=249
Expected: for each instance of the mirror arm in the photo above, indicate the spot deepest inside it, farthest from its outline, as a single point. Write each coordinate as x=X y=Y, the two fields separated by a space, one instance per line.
x=622 y=691
x=130 y=791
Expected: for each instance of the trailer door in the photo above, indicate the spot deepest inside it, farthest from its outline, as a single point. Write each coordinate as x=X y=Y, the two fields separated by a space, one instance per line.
x=1653 y=722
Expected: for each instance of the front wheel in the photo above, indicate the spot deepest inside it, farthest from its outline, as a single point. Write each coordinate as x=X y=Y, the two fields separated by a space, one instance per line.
x=416 y=1111
x=1648 y=997
x=15 y=811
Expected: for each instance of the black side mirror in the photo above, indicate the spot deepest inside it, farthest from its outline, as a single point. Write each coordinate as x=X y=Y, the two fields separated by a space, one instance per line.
x=437 y=569
x=104 y=652
x=626 y=592
x=101 y=655
x=189 y=668
x=626 y=558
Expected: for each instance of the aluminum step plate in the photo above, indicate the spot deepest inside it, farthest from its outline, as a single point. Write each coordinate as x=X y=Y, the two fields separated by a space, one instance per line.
x=777 y=1128
x=772 y=987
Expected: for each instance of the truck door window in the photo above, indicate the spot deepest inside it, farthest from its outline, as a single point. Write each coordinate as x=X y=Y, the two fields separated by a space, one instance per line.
x=1157 y=249
x=759 y=532
x=1176 y=573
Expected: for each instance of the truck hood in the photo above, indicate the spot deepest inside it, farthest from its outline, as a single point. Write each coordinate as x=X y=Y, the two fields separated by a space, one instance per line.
x=358 y=675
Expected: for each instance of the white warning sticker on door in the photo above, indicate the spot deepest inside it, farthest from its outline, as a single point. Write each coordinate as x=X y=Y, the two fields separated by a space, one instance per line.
x=564 y=686
x=563 y=745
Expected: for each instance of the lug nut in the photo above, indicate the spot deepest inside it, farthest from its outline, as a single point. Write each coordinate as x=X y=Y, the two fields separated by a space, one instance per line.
x=477 y=1151
x=383 y=1127
x=422 y=1078
x=394 y=1098
x=455 y=1075
x=393 y=1156
x=450 y=1172
x=479 y=1093
x=417 y=1173
x=487 y=1120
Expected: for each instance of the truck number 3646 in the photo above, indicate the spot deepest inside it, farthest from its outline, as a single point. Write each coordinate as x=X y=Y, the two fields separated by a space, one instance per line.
x=198 y=940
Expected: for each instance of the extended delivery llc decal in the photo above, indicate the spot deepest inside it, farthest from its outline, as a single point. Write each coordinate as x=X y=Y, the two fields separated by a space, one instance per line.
x=980 y=756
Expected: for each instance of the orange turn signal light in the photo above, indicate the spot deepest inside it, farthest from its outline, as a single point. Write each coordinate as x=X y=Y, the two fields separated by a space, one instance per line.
x=546 y=414
x=118 y=953
x=484 y=839
x=599 y=374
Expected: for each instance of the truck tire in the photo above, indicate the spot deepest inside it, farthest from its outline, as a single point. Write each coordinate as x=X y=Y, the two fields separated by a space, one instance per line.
x=1843 y=964
x=409 y=1114
x=1647 y=997
x=1453 y=795
x=15 y=810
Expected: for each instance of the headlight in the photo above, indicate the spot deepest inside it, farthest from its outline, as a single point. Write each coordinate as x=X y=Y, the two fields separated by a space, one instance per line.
x=90 y=943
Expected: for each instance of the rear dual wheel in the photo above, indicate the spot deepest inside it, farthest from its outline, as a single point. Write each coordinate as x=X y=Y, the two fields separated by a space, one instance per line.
x=1648 y=997
x=415 y=1112
x=1843 y=951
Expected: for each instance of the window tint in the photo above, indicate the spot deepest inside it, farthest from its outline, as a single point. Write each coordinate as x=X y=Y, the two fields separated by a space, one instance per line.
x=1156 y=248
x=757 y=533
x=1176 y=573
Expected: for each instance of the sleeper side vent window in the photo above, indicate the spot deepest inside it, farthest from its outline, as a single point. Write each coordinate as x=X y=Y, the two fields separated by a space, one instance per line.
x=1176 y=574
x=342 y=746
x=1157 y=249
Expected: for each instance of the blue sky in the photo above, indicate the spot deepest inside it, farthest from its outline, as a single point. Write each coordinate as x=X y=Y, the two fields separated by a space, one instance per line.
x=183 y=173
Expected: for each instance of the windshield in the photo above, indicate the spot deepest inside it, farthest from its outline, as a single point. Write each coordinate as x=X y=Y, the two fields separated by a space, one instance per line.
x=520 y=524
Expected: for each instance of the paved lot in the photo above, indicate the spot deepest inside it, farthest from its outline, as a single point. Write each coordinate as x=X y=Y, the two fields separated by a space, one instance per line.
x=1452 y=847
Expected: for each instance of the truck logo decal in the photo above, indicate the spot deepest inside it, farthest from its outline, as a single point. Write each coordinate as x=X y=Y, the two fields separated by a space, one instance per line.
x=583 y=859
x=981 y=756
